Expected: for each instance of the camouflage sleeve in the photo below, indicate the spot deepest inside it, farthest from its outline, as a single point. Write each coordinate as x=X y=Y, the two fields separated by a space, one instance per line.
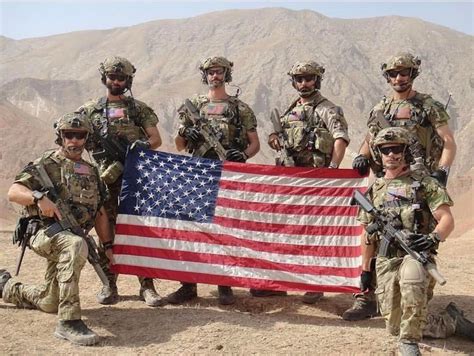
x=147 y=116
x=247 y=117
x=436 y=113
x=183 y=119
x=336 y=123
x=27 y=177
x=436 y=194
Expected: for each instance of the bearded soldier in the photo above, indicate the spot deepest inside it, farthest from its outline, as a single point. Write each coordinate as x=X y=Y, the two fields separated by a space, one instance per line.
x=230 y=124
x=433 y=140
x=315 y=131
x=79 y=187
x=419 y=205
x=119 y=120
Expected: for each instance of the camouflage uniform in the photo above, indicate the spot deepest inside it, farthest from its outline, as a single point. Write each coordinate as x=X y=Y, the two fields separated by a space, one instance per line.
x=79 y=185
x=404 y=287
x=312 y=129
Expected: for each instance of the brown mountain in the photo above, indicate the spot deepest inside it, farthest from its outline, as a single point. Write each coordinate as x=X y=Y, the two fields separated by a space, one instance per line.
x=45 y=77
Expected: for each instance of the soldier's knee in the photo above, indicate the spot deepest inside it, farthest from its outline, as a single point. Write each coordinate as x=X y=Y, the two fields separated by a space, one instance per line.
x=412 y=272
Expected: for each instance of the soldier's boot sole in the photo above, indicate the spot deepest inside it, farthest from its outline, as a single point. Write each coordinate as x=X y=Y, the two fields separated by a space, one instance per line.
x=88 y=339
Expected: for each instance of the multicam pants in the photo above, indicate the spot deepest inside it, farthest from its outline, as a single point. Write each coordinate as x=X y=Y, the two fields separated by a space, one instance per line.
x=66 y=254
x=404 y=289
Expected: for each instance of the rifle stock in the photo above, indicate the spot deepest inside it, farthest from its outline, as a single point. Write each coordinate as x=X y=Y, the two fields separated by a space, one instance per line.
x=284 y=158
x=112 y=148
x=391 y=234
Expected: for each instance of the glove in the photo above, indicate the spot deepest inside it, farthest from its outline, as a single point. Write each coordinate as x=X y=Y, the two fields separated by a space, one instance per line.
x=421 y=242
x=236 y=155
x=441 y=176
x=366 y=280
x=361 y=163
x=144 y=145
x=192 y=134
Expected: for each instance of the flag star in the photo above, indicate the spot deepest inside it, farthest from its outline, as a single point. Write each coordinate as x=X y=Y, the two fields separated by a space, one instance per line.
x=149 y=209
x=177 y=199
x=196 y=176
x=142 y=154
x=174 y=178
x=180 y=186
x=151 y=195
x=137 y=194
x=152 y=181
x=145 y=187
x=155 y=156
x=204 y=171
x=143 y=201
x=194 y=188
x=188 y=180
x=204 y=217
x=146 y=174
x=184 y=206
x=136 y=208
x=161 y=164
x=163 y=211
x=175 y=166
x=170 y=204
x=200 y=195
x=186 y=194
x=147 y=161
x=192 y=201
x=159 y=176
x=198 y=209
x=190 y=214
x=184 y=161
x=166 y=184
x=181 y=174
x=206 y=203
x=208 y=191
x=140 y=167
x=169 y=159
x=168 y=171
x=210 y=178
x=139 y=181
x=154 y=168
x=176 y=212
x=213 y=165
x=202 y=183
x=190 y=168
x=172 y=191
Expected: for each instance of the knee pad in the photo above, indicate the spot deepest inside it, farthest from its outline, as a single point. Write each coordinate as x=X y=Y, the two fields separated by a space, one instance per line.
x=412 y=272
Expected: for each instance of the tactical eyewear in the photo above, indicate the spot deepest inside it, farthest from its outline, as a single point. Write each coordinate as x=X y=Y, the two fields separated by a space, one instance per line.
x=211 y=72
x=118 y=77
x=306 y=78
x=403 y=73
x=79 y=135
x=394 y=149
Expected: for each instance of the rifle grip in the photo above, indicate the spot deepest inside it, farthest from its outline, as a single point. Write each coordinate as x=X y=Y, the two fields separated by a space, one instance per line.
x=431 y=268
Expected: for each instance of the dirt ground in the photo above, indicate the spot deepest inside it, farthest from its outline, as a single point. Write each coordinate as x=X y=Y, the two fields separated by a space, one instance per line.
x=279 y=325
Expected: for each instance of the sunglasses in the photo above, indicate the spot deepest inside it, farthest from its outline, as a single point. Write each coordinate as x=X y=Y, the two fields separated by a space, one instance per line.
x=118 y=77
x=79 y=135
x=403 y=73
x=211 y=72
x=306 y=78
x=394 y=149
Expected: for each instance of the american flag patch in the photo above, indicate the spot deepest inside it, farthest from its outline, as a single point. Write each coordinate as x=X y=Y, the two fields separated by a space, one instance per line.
x=81 y=168
x=115 y=113
x=216 y=109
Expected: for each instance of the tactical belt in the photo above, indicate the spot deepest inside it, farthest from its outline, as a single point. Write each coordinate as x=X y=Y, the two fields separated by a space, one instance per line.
x=53 y=229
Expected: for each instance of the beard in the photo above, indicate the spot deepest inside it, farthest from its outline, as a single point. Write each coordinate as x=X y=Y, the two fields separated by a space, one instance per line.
x=216 y=83
x=402 y=87
x=73 y=150
x=306 y=92
x=116 y=89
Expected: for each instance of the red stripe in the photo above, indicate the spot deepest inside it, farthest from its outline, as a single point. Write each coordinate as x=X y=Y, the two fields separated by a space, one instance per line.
x=293 y=172
x=230 y=281
x=287 y=229
x=288 y=208
x=227 y=261
x=229 y=240
x=286 y=189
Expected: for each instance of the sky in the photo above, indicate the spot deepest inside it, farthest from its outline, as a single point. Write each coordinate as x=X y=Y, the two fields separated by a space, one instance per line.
x=25 y=19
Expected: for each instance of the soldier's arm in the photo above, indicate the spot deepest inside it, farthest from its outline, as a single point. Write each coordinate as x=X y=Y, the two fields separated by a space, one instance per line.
x=339 y=149
x=449 y=148
x=364 y=148
x=254 y=144
x=154 y=137
x=445 y=221
x=104 y=231
x=20 y=194
x=368 y=251
x=180 y=142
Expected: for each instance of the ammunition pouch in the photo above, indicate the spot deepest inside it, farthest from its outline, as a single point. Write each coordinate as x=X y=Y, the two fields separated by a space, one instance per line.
x=112 y=173
x=53 y=229
x=324 y=142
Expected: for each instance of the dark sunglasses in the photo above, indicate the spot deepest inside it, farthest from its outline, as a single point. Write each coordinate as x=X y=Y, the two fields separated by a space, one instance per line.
x=118 y=77
x=306 y=78
x=211 y=72
x=79 y=135
x=394 y=149
x=403 y=73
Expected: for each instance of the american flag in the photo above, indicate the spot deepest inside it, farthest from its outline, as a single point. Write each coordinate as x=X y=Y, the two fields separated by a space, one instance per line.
x=267 y=227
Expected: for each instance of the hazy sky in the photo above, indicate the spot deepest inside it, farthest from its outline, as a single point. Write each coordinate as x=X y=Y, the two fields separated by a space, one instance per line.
x=24 y=19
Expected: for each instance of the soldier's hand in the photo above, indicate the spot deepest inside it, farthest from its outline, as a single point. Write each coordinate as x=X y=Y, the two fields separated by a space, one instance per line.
x=48 y=208
x=192 y=134
x=421 y=242
x=274 y=142
x=441 y=176
x=236 y=155
x=110 y=256
x=361 y=163
x=366 y=281
x=144 y=145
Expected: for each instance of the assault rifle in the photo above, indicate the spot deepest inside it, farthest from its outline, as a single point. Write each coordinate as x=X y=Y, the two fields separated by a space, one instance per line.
x=386 y=224
x=113 y=149
x=69 y=222
x=210 y=138
x=25 y=228
x=284 y=158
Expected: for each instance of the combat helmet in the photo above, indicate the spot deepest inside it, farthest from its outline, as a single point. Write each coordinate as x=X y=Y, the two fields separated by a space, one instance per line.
x=307 y=68
x=75 y=121
x=117 y=65
x=402 y=61
x=391 y=135
x=216 y=62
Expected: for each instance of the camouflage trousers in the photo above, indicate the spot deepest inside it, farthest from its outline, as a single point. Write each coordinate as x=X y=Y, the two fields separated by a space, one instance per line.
x=404 y=289
x=66 y=254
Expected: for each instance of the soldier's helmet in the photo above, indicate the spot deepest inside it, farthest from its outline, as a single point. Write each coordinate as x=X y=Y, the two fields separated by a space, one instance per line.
x=394 y=135
x=402 y=61
x=216 y=62
x=117 y=65
x=307 y=67
x=75 y=121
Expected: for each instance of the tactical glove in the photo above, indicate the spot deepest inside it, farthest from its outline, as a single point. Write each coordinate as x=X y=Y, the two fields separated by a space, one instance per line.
x=441 y=176
x=192 y=134
x=361 y=163
x=366 y=280
x=236 y=155
x=421 y=242
x=144 y=145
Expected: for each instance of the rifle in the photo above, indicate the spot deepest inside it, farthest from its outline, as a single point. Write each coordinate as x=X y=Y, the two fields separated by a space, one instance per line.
x=284 y=158
x=69 y=222
x=112 y=148
x=25 y=228
x=210 y=138
x=391 y=235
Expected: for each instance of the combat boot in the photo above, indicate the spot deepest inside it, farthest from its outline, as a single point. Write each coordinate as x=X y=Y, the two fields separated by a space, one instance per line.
x=4 y=277
x=149 y=295
x=409 y=349
x=226 y=296
x=76 y=332
x=108 y=295
x=262 y=293
x=312 y=297
x=464 y=327
x=187 y=292
x=362 y=308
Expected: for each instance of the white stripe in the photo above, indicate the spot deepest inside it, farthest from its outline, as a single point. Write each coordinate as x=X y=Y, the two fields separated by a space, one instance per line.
x=259 y=236
x=293 y=181
x=288 y=219
x=237 y=251
x=233 y=271
x=313 y=200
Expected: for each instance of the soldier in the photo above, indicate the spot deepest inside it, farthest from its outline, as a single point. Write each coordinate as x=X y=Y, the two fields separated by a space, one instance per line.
x=119 y=120
x=233 y=123
x=316 y=132
x=79 y=186
x=433 y=141
x=421 y=205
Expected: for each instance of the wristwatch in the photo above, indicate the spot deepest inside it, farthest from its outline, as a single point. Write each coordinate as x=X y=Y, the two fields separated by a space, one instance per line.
x=37 y=196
